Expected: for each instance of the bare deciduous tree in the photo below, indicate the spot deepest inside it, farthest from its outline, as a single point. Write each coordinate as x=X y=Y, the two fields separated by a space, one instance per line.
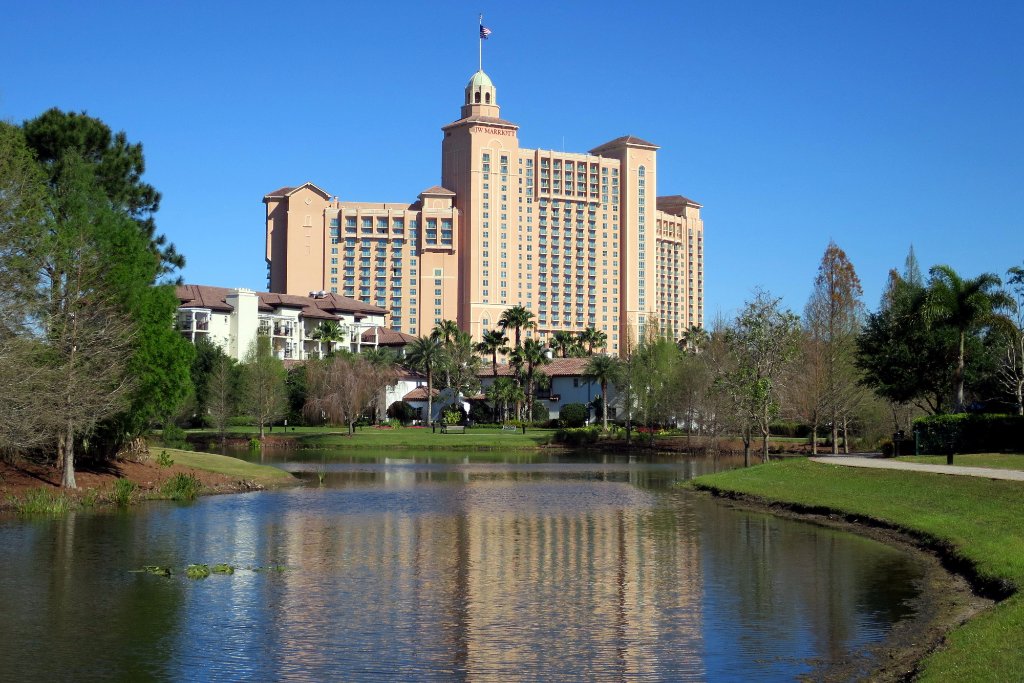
x=341 y=388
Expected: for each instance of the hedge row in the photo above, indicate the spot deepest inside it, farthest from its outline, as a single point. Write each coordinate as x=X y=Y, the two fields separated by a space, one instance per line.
x=968 y=433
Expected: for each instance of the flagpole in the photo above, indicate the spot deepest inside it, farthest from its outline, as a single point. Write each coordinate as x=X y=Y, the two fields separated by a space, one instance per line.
x=480 y=40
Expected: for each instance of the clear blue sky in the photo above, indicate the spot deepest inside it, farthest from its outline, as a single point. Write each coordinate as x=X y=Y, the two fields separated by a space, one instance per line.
x=876 y=124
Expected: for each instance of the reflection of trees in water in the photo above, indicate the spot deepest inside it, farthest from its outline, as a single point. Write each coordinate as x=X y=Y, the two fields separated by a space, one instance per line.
x=796 y=588
x=65 y=610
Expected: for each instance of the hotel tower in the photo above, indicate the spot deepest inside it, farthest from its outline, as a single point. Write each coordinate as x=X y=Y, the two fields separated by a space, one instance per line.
x=580 y=239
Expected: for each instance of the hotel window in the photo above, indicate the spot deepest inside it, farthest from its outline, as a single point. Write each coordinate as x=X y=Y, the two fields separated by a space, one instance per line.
x=367 y=224
x=334 y=222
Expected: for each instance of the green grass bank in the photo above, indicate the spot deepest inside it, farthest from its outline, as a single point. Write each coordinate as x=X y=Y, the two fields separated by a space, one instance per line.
x=411 y=438
x=231 y=467
x=976 y=524
x=1001 y=461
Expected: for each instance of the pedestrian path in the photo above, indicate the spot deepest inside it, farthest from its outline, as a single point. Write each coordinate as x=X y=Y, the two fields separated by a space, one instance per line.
x=886 y=464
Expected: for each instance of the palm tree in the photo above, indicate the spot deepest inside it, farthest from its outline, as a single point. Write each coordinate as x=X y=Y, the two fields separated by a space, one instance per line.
x=518 y=318
x=604 y=369
x=446 y=331
x=593 y=337
x=534 y=355
x=327 y=331
x=492 y=342
x=505 y=391
x=424 y=354
x=694 y=339
x=563 y=341
x=965 y=306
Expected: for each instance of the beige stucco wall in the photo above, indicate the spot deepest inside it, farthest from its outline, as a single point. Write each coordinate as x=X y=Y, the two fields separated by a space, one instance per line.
x=505 y=238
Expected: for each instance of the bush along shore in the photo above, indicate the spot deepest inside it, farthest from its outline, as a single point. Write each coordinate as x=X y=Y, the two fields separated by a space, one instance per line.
x=973 y=525
x=165 y=474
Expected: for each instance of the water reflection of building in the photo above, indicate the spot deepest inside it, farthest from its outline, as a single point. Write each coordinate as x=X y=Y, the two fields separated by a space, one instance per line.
x=489 y=580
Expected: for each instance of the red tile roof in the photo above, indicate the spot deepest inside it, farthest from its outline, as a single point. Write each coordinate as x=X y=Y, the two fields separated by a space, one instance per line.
x=388 y=337
x=625 y=140
x=558 y=367
x=438 y=190
x=675 y=204
x=328 y=308
x=419 y=394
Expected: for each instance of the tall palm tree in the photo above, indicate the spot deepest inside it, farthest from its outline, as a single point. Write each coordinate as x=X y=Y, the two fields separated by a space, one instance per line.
x=492 y=342
x=563 y=341
x=593 y=338
x=424 y=354
x=604 y=369
x=966 y=306
x=518 y=318
x=534 y=355
x=446 y=331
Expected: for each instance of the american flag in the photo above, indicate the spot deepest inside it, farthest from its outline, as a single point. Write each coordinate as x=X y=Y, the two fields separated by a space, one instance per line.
x=484 y=32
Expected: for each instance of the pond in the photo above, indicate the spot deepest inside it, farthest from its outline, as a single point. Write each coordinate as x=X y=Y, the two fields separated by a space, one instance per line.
x=503 y=566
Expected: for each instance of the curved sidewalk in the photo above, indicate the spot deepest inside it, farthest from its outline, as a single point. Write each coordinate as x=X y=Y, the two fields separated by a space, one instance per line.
x=886 y=464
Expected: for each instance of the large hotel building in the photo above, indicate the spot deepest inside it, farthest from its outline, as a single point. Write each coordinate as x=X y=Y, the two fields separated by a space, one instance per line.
x=580 y=239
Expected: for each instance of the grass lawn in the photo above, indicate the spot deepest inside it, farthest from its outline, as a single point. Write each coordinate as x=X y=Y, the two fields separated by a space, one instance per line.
x=1002 y=461
x=982 y=520
x=223 y=464
x=415 y=438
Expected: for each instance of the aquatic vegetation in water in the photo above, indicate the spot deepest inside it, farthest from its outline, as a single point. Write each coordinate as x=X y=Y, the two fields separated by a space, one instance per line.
x=154 y=569
x=197 y=571
x=223 y=569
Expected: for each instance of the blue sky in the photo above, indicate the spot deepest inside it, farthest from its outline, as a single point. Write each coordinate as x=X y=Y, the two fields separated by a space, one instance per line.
x=876 y=124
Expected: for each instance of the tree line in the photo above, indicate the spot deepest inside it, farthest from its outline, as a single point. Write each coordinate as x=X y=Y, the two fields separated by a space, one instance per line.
x=937 y=345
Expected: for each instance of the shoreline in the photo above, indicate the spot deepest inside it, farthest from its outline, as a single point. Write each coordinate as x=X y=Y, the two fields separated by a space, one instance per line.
x=96 y=482
x=949 y=598
x=969 y=525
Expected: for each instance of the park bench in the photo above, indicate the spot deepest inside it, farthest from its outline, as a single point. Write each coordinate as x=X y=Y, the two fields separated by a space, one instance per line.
x=509 y=428
x=453 y=429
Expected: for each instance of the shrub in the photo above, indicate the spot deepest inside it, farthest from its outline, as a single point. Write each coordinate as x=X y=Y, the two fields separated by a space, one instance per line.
x=123 y=490
x=790 y=429
x=254 y=444
x=580 y=436
x=173 y=436
x=452 y=417
x=164 y=460
x=970 y=433
x=42 y=501
x=181 y=487
x=480 y=412
x=402 y=411
x=573 y=415
x=540 y=412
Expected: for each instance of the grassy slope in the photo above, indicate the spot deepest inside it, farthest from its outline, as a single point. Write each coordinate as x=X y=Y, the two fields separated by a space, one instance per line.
x=982 y=520
x=223 y=464
x=1002 y=461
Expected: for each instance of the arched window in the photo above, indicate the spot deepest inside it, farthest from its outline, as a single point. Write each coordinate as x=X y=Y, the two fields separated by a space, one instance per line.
x=476 y=97
x=485 y=324
x=487 y=98
x=642 y=171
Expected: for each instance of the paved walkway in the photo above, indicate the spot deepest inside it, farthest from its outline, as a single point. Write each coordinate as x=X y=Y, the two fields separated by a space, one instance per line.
x=887 y=464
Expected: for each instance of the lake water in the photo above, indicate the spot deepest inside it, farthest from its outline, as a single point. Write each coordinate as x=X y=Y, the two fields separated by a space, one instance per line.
x=507 y=567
